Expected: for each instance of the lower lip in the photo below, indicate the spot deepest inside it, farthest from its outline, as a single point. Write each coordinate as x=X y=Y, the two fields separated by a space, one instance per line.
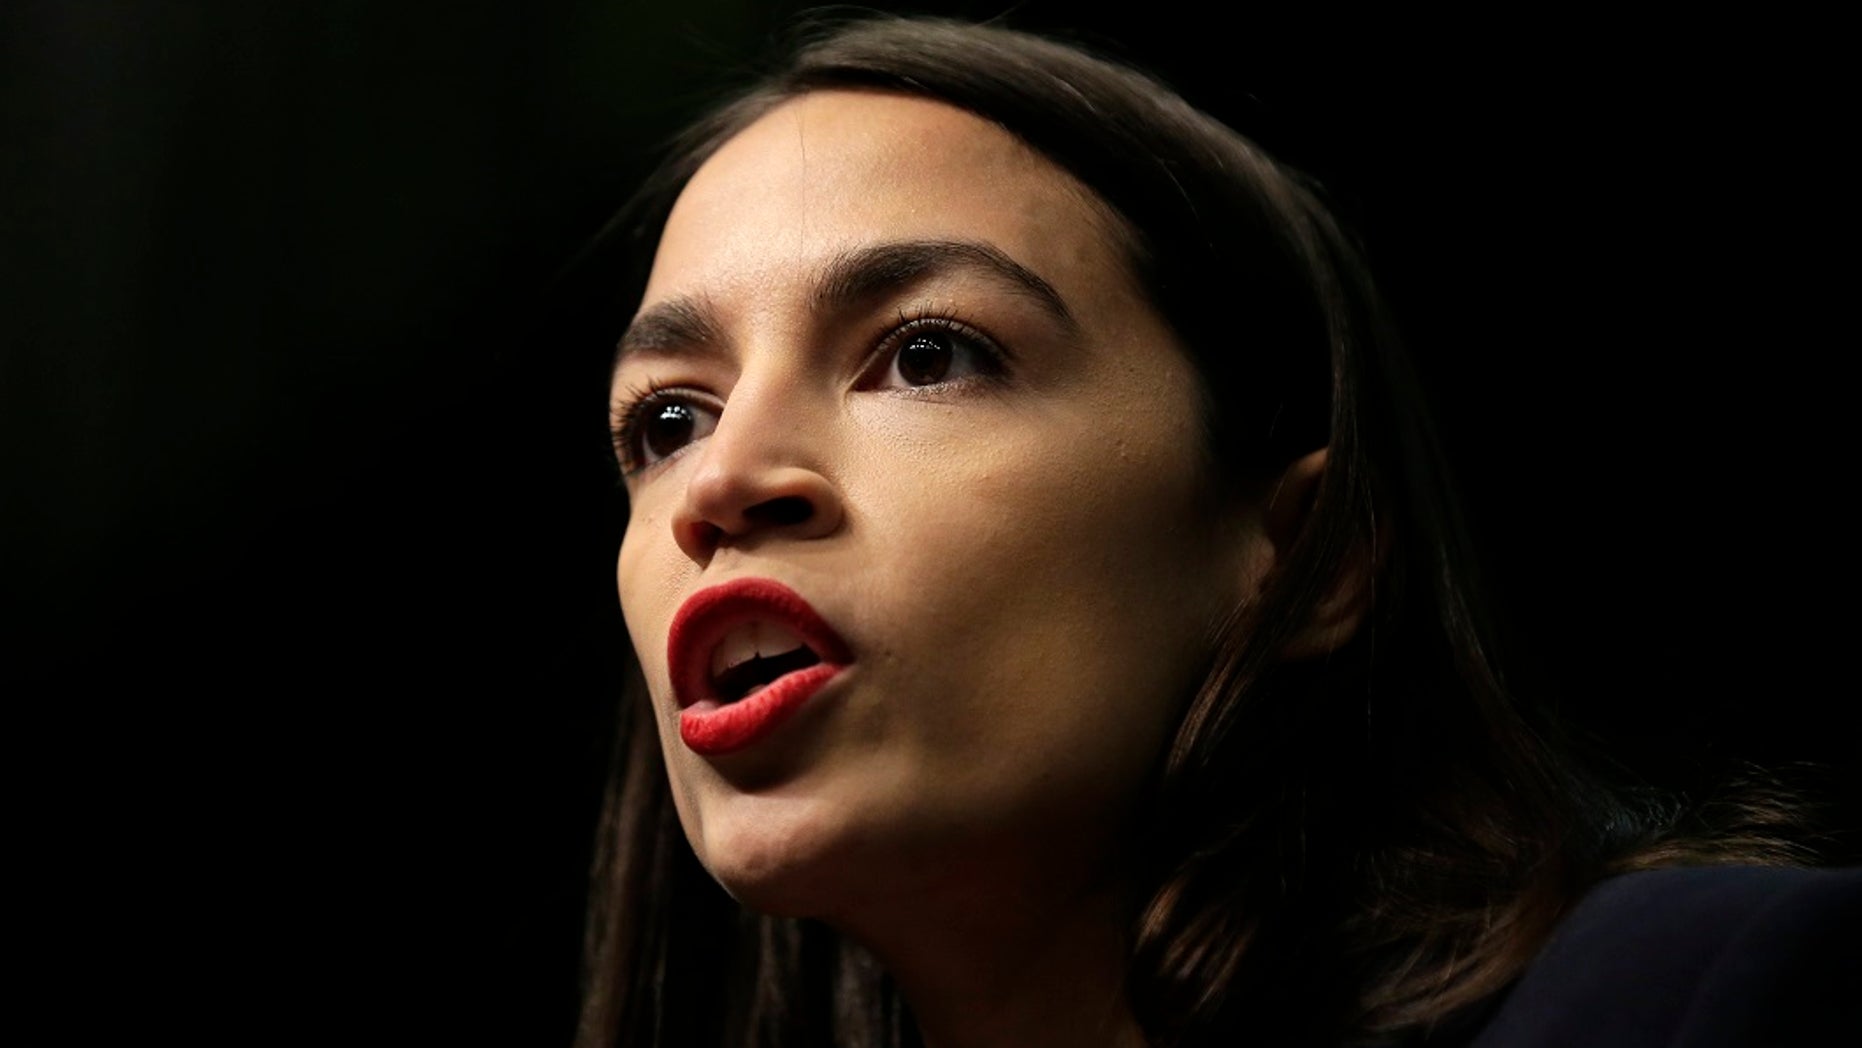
x=711 y=728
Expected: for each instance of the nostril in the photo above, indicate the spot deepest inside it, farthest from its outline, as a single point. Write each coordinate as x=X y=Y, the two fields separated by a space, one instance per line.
x=789 y=509
x=706 y=534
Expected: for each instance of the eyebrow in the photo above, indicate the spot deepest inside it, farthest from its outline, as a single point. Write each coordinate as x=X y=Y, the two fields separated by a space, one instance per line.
x=670 y=326
x=848 y=280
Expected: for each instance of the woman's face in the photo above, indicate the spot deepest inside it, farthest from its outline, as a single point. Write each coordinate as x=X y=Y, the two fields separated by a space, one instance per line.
x=891 y=359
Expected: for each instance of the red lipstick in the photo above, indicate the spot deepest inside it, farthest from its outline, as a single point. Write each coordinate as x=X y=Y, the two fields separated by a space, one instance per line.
x=723 y=712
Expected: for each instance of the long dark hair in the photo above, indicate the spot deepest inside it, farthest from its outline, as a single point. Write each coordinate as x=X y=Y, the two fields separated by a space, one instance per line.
x=1340 y=848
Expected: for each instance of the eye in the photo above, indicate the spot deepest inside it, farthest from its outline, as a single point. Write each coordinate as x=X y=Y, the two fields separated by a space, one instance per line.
x=929 y=352
x=656 y=425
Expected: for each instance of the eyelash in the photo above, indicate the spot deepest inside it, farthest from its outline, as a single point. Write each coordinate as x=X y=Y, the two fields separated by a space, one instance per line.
x=626 y=418
x=992 y=360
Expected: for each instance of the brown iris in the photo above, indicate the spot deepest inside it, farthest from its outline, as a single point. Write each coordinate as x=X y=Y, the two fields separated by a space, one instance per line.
x=669 y=429
x=925 y=358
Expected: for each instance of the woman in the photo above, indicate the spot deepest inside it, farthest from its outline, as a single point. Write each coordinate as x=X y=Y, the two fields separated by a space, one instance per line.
x=1054 y=623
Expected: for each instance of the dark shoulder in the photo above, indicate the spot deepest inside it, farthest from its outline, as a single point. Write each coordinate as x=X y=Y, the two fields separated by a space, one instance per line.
x=1694 y=957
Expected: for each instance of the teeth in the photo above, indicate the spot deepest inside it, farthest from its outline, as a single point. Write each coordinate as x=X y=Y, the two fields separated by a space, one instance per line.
x=749 y=640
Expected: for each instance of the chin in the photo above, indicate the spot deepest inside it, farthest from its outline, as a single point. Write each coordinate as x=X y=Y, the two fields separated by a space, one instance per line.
x=786 y=856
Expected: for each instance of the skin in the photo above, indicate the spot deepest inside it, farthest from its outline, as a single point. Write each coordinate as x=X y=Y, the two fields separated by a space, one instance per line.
x=1026 y=565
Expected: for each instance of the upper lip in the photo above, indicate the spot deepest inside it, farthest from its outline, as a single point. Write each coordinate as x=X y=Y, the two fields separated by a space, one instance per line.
x=707 y=616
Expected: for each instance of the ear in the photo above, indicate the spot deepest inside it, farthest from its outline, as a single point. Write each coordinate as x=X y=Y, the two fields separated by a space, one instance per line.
x=1339 y=613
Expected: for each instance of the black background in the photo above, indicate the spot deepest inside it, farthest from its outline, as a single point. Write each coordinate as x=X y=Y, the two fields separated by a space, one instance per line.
x=309 y=526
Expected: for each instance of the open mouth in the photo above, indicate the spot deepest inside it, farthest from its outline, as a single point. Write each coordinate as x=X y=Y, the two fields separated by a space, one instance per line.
x=753 y=655
x=745 y=656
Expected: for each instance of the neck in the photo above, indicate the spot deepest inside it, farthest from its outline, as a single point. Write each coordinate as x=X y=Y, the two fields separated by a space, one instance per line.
x=1018 y=963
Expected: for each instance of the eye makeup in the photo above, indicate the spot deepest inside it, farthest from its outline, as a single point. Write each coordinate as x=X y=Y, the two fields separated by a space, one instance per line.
x=653 y=423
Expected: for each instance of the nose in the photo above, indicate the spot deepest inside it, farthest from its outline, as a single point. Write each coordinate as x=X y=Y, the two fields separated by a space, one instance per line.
x=760 y=474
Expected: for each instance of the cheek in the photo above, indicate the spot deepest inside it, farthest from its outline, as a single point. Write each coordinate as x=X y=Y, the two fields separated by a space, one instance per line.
x=650 y=580
x=650 y=577
x=1046 y=590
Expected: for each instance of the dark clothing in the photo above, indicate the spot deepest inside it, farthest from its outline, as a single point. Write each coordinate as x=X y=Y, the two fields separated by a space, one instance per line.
x=1694 y=957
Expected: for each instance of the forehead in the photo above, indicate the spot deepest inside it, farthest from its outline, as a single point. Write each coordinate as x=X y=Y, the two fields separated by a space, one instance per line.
x=830 y=171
